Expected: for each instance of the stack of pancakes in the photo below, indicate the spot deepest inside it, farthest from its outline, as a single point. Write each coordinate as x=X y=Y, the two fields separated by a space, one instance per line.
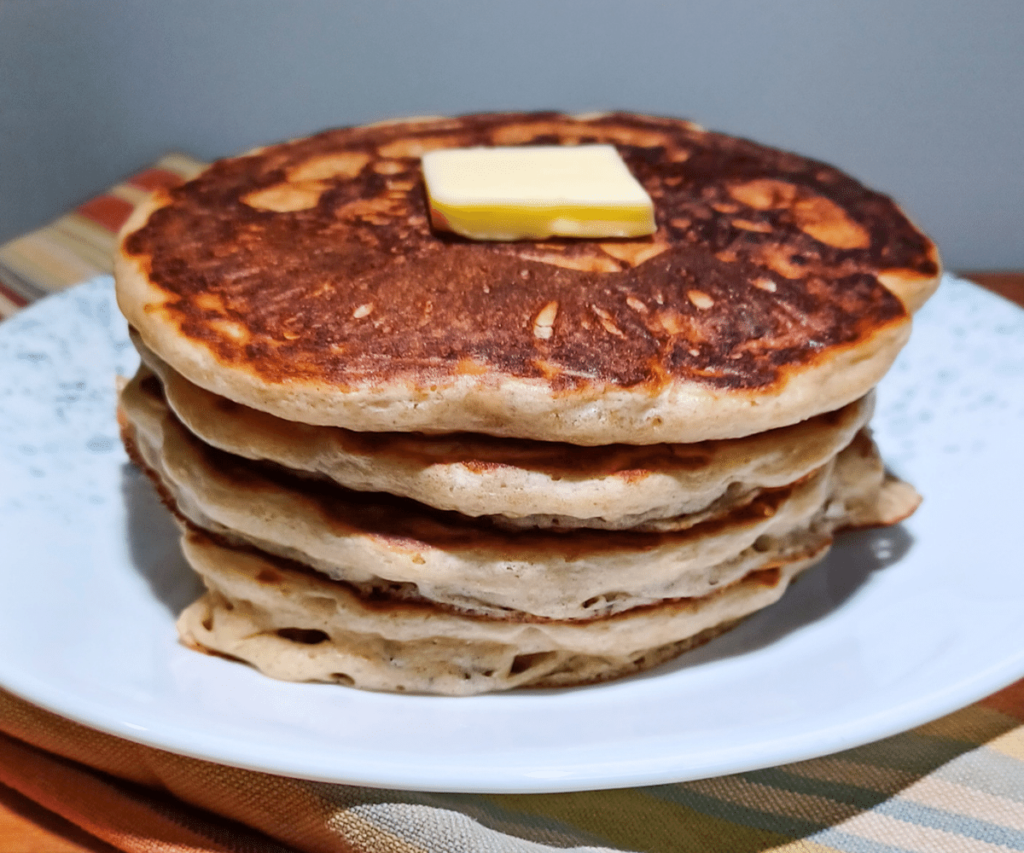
x=408 y=461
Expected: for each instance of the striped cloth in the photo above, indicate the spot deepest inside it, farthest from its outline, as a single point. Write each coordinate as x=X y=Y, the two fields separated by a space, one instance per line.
x=956 y=784
x=80 y=244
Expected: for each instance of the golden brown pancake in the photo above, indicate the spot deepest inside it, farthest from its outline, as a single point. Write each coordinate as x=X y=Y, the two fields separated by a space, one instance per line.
x=291 y=624
x=378 y=542
x=303 y=280
x=517 y=482
x=405 y=460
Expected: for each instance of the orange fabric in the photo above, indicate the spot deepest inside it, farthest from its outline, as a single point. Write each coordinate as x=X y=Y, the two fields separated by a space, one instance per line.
x=16 y=298
x=1009 y=701
x=107 y=210
x=144 y=800
x=152 y=179
x=124 y=818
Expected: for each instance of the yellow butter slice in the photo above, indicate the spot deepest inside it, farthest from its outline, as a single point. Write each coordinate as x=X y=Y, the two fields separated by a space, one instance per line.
x=535 y=192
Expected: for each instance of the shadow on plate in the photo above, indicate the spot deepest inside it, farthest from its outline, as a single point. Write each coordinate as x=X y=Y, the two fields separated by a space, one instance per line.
x=153 y=544
x=820 y=591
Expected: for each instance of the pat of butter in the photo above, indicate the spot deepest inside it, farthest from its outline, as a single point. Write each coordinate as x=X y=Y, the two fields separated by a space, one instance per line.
x=535 y=192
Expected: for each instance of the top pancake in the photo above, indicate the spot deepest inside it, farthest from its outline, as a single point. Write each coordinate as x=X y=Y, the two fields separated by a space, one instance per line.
x=303 y=279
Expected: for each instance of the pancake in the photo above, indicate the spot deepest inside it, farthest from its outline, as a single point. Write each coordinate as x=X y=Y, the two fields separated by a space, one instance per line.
x=526 y=483
x=377 y=543
x=403 y=460
x=293 y=625
x=303 y=280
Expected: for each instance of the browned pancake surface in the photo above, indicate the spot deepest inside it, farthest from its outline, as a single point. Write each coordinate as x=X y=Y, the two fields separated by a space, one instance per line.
x=314 y=260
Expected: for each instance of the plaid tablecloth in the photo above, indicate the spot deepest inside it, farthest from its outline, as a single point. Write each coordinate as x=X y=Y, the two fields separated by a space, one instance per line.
x=956 y=784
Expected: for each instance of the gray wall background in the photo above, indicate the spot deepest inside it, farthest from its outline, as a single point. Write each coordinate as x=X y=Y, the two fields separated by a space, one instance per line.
x=923 y=99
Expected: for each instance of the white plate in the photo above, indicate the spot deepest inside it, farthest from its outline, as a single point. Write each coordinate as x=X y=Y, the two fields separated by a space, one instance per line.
x=897 y=628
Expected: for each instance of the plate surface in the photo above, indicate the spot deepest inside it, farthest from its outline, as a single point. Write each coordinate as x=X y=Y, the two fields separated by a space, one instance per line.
x=896 y=628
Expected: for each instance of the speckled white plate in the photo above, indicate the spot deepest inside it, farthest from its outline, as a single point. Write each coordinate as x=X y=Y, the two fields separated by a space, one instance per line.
x=897 y=628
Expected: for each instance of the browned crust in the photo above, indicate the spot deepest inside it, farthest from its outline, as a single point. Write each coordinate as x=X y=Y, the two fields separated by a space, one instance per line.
x=764 y=263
